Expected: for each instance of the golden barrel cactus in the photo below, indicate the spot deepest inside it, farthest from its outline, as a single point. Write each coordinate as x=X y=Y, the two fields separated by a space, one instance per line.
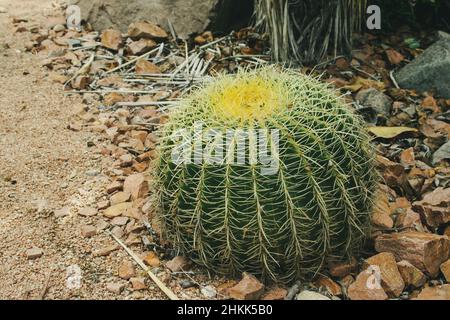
x=267 y=171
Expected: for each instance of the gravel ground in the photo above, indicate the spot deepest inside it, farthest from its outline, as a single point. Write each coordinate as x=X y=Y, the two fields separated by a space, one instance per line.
x=45 y=167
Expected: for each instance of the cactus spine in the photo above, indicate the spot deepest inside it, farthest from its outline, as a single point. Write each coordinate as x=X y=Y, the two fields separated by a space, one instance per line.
x=232 y=217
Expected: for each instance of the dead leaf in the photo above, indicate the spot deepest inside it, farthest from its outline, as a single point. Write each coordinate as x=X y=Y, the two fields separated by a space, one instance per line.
x=389 y=132
x=394 y=56
x=362 y=83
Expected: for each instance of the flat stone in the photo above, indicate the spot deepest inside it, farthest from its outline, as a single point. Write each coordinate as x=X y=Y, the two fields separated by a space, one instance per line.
x=275 y=294
x=119 y=197
x=117 y=210
x=425 y=251
x=411 y=275
x=101 y=205
x=366 y=287
x=105 y=251
x=249 y=288
x=376 y=100
x=63 y=212
x=119 y=221
x=342 y=269
x=151 y=259
x=34 y=253
x=391 y=279
x=88 y=231
x=116 y=288
x=88 y=212
x=435 y=293
x=177 y=264
x=146 y=67
x=311 y=295
x=445 y=269
x=136 y=185
x=140 y=47
x=111 y=39
x=138 y=283
x=332 y=287
x=208 y=292
x=127 y=270
x=145 y=29
x=114 y=186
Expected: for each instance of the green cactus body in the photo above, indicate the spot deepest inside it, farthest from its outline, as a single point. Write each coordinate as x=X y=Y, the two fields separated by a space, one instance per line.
x=232 y=216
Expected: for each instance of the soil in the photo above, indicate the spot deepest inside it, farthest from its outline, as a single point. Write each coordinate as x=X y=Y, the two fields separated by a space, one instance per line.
x=45 y=167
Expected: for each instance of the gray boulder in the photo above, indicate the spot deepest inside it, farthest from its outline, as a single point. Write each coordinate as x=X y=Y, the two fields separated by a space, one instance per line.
x=429 y=71
x=187 y=16
x=375 y=100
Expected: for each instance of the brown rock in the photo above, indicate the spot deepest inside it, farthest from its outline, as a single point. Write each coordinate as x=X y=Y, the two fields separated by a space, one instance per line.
x=139 y=135
x=447 y=232
x=200 y=40
x=435 y=293
x=435 y=207
x=58 y=78
x=409 y=220
x=342 y=269
x=249 y=288
x=34 y=253
x=101 y=205
x=347 y=281
x=177 y=264
x=87 y=212
x=223 y=290
x=146 y=67
x=119 y=197
x=423 y=250
x=381 y=211
x=391 y=279
x=445 y=269
x=332 y=287
x=63 y=212
x=364 y=288
x=112 y=98
x=116 y=288
x=119 y=221
x=134 y=213
x=138 y=283
x=80 y=82
x=140 y=47
x=114 y=186
x=275 y=294
x=127 y=270
x=136 y=185
x=393 y=173
x=126 y=160
x=111 y=39
x=117 y=210
x=145 y=29
x=439 y=197
x=88 y=231
x=432 y=215
x=411 y=275
x=106 y=251
x=151 y=259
